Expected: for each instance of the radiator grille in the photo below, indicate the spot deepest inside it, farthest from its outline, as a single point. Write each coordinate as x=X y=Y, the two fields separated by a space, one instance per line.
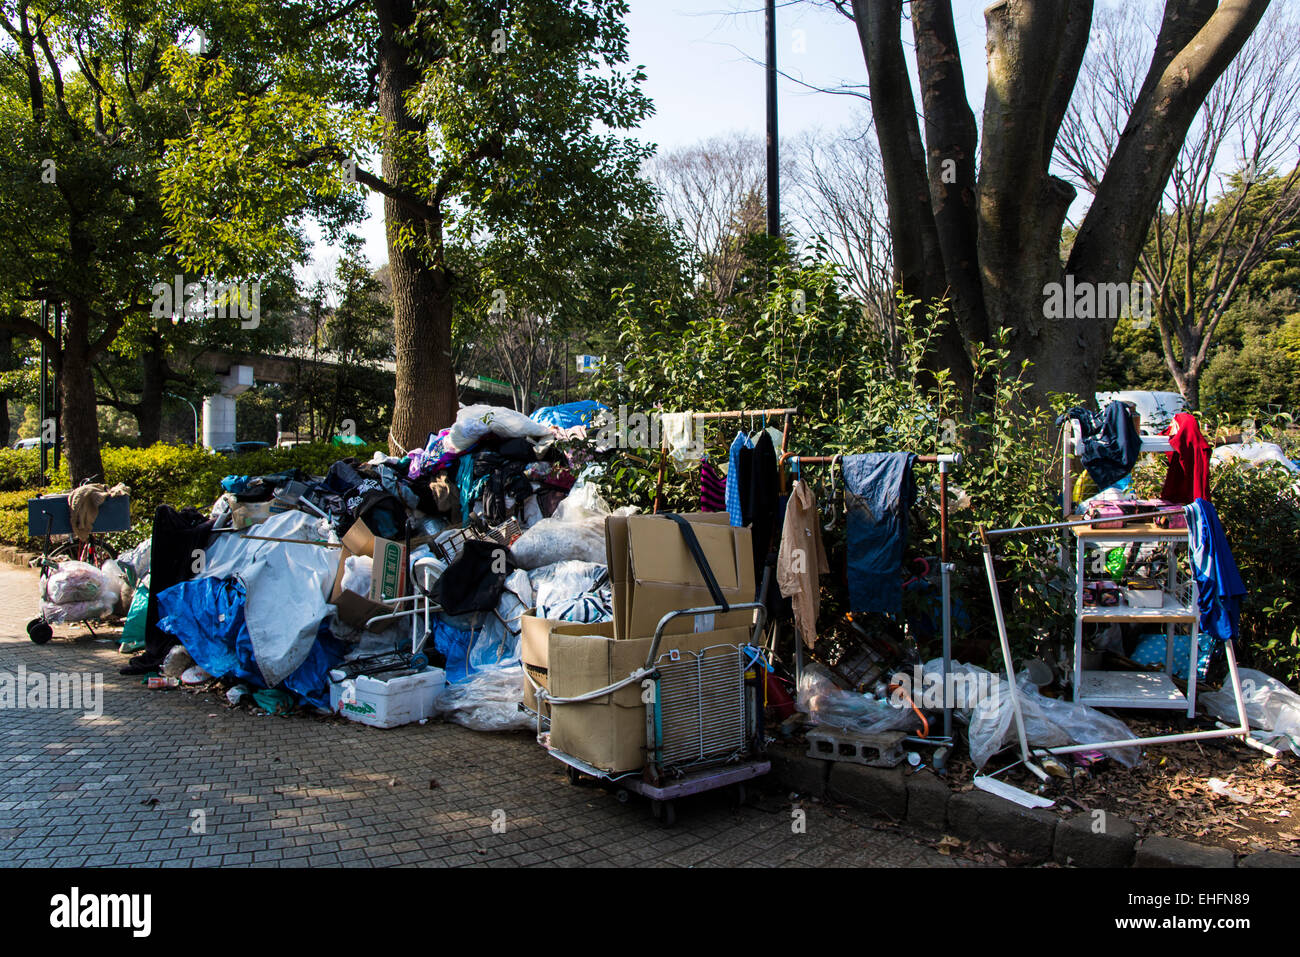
x=701 y=705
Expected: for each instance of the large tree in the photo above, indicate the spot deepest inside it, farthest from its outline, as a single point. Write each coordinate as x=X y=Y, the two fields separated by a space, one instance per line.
x=976 y=213
x=484 y=117
x=1223 y=214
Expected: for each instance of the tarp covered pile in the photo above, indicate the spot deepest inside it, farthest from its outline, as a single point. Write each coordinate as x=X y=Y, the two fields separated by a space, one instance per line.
x=252 y=590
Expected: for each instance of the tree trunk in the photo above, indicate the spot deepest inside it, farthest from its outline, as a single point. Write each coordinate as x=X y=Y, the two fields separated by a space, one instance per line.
x=77 y=396
x=424 y=399
x=148 y=412
x=6 y=363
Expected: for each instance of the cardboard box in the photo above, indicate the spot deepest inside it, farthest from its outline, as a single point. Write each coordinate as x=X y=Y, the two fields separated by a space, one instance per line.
x=653 y=573
x=356 y=609
x=608 y=732
x=534 y=638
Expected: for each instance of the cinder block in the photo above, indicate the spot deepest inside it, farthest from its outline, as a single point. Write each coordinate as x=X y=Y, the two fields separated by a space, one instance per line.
x=1171 y=852
x=1086 y=840
x=874 y=750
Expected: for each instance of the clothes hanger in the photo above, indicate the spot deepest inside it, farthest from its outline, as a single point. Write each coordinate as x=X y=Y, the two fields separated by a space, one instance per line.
x=830 y=524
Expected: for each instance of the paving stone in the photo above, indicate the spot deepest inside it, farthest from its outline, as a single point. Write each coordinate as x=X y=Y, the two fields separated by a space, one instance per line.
x=927 y=801
x=881 y=792
x=1270 y=859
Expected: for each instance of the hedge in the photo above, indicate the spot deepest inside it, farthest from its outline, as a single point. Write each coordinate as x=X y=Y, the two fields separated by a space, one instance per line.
x=177 y=475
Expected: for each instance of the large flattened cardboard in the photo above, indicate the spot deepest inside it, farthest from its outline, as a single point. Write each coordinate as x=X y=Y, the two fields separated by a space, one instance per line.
x=609 y=732
x=653 y=573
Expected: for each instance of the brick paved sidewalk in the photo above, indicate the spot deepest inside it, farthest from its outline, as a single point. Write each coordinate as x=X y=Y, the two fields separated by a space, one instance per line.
x=134 y=785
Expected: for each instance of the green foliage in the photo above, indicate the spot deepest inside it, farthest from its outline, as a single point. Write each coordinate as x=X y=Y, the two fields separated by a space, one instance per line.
x=798 y=341
x=176 y=475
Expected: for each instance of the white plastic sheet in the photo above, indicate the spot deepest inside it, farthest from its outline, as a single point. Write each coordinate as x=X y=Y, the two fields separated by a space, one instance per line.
x=1272 y=708
x=475 y=421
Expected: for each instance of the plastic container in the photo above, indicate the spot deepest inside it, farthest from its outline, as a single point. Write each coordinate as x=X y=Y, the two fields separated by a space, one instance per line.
x=388 y=704
x=1142 y=595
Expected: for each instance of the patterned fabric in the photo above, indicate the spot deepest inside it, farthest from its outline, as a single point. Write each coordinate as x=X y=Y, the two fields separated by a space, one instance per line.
x=713 y=489
x=741 y=441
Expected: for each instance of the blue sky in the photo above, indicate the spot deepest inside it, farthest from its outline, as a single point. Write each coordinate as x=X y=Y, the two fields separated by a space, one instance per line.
x=702 y=73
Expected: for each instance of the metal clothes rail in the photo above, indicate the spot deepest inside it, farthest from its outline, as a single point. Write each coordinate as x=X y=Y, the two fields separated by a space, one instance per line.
x=946 y=462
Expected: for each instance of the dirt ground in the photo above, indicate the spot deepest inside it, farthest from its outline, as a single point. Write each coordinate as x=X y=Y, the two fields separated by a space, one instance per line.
x=1169 y=793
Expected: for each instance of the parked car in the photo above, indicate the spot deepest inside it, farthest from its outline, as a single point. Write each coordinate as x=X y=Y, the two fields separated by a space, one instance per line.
x=27 y=444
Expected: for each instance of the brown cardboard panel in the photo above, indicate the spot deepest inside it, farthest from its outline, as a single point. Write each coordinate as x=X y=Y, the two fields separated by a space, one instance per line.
x=653 y=573
x=355 y=609
x=610 y=732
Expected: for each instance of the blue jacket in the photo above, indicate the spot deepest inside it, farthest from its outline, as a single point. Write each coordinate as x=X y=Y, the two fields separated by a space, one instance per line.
x=879 y=491
x=1218 y=583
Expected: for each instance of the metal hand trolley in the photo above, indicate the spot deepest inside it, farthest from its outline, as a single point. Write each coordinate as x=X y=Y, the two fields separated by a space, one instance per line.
x=49 y=515
x=704 y=723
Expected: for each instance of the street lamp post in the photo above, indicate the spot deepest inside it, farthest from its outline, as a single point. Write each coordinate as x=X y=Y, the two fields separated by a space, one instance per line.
x=193 y=409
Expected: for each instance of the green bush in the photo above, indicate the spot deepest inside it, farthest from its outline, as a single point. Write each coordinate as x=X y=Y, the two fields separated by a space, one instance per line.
x=805 y=345
x=177 y=475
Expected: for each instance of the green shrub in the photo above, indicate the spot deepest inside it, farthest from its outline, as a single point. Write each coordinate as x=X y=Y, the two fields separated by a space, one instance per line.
x=807 y=346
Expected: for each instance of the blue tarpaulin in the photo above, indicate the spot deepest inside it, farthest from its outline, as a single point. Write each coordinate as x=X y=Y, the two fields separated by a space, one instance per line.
x=569 y=414
x=206 y=615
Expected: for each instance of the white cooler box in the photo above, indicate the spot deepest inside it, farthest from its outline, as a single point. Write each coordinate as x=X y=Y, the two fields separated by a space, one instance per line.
x=387 y=704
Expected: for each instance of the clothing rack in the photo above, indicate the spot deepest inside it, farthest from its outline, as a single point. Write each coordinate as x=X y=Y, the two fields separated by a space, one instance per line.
x=727 y=414
x=946 y=462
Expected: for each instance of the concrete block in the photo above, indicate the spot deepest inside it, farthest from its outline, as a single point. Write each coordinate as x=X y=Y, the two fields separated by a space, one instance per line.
x=1171 y=852
x=1087 y=841
x=977 y=815
x=880 y=791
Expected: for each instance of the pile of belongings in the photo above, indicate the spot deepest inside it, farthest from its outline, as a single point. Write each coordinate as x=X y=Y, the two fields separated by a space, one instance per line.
x=495 y=516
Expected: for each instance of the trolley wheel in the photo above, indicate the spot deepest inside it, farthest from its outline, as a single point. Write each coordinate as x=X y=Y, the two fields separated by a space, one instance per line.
x=39 y=631
x=623 y=795
x=575 y=776
x=667 y=813
x=419 y=662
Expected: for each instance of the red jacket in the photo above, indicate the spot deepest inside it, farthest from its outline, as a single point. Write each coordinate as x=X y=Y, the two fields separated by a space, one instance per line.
x=1188 y=477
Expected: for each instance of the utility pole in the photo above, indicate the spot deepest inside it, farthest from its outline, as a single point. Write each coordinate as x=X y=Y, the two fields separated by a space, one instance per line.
x=773 y=171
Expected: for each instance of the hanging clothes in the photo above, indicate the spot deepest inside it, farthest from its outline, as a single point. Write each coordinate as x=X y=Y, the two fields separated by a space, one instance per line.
x=677 y=429
x=713 y=489
x=879 y=490
x=1188 y=477
x=1219 y=588
x=801 y=560
x=1111 y=443
x=738 y=444
x=760 y=499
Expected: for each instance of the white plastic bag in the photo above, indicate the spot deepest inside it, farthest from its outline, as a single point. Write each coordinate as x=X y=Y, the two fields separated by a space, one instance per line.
x=475 y=421
x=575 y=532
x=177 y=662
x=357 y=574
x=79 y=582
x=488 y=701
x=1271 y=707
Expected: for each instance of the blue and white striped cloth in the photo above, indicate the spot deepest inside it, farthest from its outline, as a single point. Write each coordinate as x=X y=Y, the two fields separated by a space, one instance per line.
x=741 y=441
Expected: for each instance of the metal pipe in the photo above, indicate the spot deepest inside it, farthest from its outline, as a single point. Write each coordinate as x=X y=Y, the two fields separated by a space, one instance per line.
x=990 y=534
x=1006 y=652
x=773 y=161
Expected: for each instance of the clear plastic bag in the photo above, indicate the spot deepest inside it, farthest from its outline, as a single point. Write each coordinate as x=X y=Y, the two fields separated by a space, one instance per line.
x=828 y=703
x=575 y=532
x=1272 y=708
x=488 y=701
x=100 y=607
x=79 y=582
